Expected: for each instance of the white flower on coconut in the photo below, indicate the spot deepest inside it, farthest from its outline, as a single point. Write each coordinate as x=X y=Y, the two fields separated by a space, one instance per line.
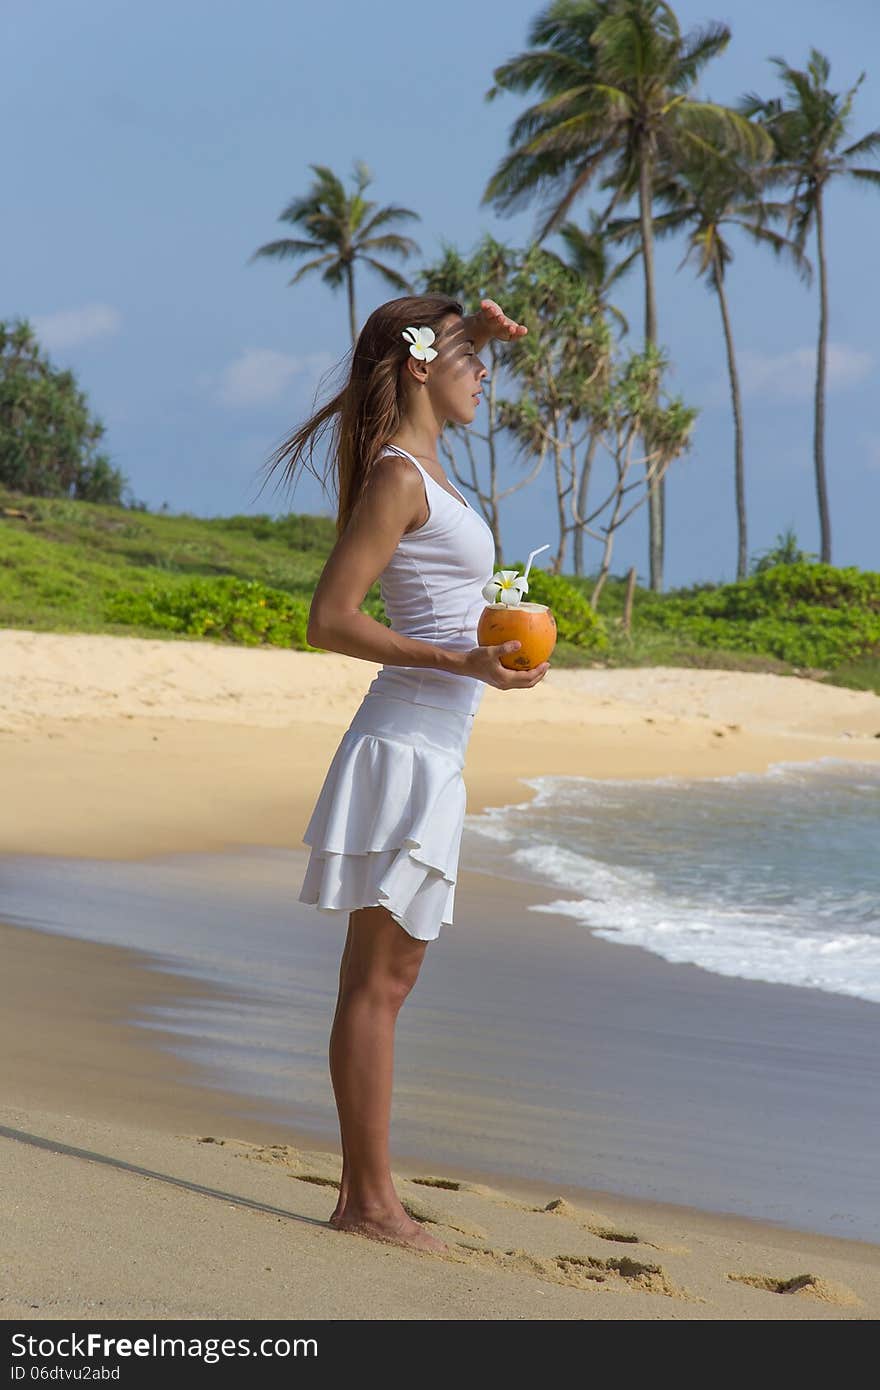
x=508 y=585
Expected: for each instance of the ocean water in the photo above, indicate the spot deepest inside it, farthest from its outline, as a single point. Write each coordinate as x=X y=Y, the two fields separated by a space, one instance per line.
x=751 y=1084
x=768 y=876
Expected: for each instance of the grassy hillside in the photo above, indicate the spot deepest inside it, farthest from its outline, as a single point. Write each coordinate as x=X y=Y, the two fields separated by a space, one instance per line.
x=79 y=567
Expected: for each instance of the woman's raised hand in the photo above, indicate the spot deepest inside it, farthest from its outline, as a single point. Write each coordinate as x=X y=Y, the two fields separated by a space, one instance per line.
x=496 y=324
x=485 y=664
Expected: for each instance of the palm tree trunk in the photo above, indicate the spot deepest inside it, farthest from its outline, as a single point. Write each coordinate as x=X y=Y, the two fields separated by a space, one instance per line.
x=352 y=317
x=656 y=497
x=819 y=427
x=742 y=562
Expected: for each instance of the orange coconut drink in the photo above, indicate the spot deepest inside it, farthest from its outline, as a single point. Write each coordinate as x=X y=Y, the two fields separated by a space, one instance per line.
x=507 y=617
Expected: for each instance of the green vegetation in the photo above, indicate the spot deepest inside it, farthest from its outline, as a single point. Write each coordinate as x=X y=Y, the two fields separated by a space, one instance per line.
x=809 y=614
x=48 y=439
x=242 y=611
x=70 y=566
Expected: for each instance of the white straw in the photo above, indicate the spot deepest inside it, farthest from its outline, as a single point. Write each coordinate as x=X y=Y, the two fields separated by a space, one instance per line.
x=532 y=556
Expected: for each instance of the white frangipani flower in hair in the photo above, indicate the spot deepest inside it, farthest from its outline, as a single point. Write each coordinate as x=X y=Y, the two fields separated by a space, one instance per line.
x=420 y=340
x=509 y=585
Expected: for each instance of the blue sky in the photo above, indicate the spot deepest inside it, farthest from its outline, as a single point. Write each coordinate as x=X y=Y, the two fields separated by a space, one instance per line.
x=150 y=150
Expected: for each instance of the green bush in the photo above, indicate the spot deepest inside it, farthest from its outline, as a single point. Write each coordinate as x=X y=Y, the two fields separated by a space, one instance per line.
x=576 y=622
x=300 y=533
x=807 y=614
x=242 y=611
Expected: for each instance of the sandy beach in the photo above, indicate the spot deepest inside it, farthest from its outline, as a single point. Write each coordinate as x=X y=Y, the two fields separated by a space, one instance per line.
x=133 y=1190
x=92 y=728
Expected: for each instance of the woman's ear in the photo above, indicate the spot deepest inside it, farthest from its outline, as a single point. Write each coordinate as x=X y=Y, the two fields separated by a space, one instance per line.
x=418 y=369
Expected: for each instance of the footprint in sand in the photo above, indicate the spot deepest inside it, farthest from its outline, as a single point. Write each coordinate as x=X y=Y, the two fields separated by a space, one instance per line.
x=587 y=1272
x=802 y=1285
x=598 y=1225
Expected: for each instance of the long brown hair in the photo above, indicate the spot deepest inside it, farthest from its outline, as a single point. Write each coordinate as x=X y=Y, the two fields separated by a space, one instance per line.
x=366 y=412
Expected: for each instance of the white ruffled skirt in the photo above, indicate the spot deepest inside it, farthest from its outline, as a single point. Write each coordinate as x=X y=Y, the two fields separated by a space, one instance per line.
x=386 y=828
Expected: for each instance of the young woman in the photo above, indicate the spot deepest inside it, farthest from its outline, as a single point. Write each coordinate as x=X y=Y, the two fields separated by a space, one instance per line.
x=386 y=829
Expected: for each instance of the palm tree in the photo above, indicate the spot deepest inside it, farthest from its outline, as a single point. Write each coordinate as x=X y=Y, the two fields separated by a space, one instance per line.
x=807 y=136
x=343 y=229
x=708 y=193
x=588 y=256
x=616 y=77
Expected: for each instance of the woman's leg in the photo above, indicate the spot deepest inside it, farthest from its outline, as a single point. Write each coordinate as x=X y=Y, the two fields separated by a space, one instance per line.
x=343 y=1182
x=382 y=965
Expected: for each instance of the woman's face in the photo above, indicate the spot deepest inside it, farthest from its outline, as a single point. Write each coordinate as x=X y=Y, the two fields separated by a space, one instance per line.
x=454 y=378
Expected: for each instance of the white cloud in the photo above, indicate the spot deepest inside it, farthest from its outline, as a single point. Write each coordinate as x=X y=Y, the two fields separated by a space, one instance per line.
x=259 y=375
x=792 y=375
x=68 y=327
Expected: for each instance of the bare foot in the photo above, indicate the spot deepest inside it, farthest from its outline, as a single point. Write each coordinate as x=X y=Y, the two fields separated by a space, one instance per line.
x=339 y=1208
x=392 y=1229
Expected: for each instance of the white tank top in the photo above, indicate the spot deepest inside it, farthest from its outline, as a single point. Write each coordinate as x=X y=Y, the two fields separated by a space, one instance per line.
x=432 y=591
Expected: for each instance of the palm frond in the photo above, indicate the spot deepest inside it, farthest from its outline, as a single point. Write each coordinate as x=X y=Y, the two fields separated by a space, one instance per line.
x=313 y=265
x=623 y=229
x=547 y=114
x=362 y=175
x=552 y=220
x=819 y=67
x=722 y=129
x=399 y=282
x=752 y=105
x=802 y=92
x=391 y=213
x=869 y=144
x=548 y=70
x=568 y=26
x=390 y=241
x=781 y=246
x=618 y=314
x=865 y=175
x=623 y=266
x=330 y=230
x=698 y=49
x=521 y=174
x=335 y=273
x=286 y=248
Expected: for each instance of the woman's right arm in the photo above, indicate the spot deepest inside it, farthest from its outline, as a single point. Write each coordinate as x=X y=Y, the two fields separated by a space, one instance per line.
x=392 y=500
